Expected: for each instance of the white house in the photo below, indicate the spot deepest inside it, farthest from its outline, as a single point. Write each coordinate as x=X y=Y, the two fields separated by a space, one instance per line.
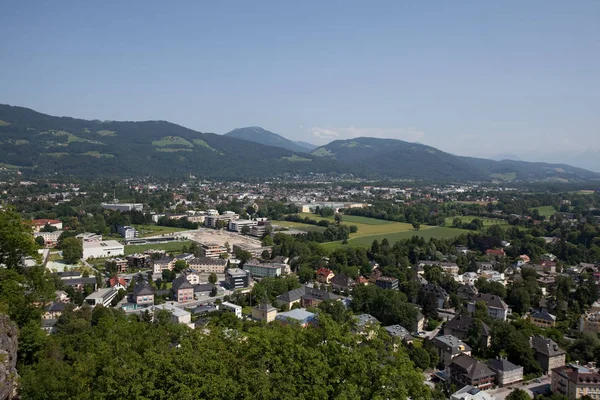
x=237 y=310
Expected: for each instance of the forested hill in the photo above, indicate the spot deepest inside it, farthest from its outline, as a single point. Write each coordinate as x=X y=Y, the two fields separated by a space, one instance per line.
x=46 y=144
x=397 y=158
x=263 y=136
x=42 y=145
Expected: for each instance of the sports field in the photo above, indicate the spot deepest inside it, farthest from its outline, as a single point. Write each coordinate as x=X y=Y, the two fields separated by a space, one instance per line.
x=169 y=247
x=300 y=226
x=155 y=230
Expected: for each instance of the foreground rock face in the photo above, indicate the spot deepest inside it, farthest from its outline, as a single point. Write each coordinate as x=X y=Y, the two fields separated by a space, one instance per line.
x=8 y=358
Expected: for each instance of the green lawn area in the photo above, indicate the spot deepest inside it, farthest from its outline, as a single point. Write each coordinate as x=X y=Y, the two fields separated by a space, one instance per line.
x=155 y=230
x=545 y=211
x=170 y=247
x=300 y=226
x=367 y=226
x=468 y=218
x=426 y=232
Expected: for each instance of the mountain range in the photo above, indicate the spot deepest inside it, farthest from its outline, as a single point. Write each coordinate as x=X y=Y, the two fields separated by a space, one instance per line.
x=42 y=145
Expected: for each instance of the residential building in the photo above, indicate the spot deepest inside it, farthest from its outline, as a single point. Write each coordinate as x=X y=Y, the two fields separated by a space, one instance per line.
x=237 y=225
x=492 y=253
x=460 y=326
x=449 y=346
x=264 y=312
x=139 y=261
x=53 y=310
x=590 y=321
x=325 y=275
x=50 y=238
x=543 y=319
x=257 y=269
x=419 y=322
x=365 y=324
x=507 y=373
x=305 y=296
x=471 y=393
x=212 y=250
x=128 y=232
x=342 y=282
x=120 y=263
x=465 y=370
x=38 y=224
x=497 y=309
x=466 y=292
x=400 y=332
x=162 y=264
x=236 y=278
x=441 y=296
x=255 y=251
x=183 y=291
x=102 y=296
x=205 y=264
x=226 y=217
x=192 y=277
x=299 y=316
x=122 y=207
x=143 y=294
x=547 y=353
x=575 y=381
x=117 y=282
x=178 y=315
x=234 y=308
x=103 y=249
x=204 y=289
x=387 y=283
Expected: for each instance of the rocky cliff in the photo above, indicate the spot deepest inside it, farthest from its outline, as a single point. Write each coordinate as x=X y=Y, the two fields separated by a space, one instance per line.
x=8 y=358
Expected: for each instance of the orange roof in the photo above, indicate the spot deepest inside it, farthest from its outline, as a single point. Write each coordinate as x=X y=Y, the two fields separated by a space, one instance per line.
x=43 y=222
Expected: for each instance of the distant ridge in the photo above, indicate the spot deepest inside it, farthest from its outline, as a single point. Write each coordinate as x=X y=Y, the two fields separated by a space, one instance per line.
x=259 y=135
x=41 y=145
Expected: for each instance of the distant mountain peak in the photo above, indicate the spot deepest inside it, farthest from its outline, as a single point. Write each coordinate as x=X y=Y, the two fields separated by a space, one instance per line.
x=260 y=135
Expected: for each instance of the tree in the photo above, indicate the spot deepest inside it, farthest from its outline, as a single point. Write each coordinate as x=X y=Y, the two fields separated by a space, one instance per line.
x=180 y=265
x=338 y=218
x=420 y=357
x=16 y=241
x=416 y=226
x=518 y=394
x=245 y=230
x=40 y=241
x=212 y=278
x=72 y=250
x=48 y=228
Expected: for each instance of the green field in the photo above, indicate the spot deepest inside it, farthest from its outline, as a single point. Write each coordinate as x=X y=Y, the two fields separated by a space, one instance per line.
x=97 y=154
x=155 y=230
x=300 y=226
x=296 y=158
x=545 y=211
x=468 y=218
x=170 y=247
x=171 y=141
x=370 y=229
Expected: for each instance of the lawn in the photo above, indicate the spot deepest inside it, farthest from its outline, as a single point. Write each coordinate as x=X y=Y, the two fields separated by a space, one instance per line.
x=468 y=218
x=367 y=226
x=300 y=226
x=545 y=211
x=426 y=232
x=155 y=230
x=169 y=247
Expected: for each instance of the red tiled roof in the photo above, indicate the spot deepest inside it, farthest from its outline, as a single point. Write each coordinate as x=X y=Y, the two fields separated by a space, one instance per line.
x=324 y=271
x=43 y=222
x=115 y=279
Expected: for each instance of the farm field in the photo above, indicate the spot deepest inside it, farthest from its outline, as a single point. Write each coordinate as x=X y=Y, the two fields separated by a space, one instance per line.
x=545 y=211
x=468 y=218
x=155 y=230
x=170 y=247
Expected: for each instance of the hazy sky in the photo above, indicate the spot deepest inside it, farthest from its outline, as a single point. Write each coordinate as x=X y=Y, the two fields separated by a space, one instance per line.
x=473 y=78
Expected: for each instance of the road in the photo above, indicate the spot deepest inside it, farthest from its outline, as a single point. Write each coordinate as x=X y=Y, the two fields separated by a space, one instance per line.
x=532 y=388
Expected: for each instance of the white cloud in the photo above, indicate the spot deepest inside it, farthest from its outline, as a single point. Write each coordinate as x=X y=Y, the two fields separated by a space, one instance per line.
x=324 y=133
x=410 y=134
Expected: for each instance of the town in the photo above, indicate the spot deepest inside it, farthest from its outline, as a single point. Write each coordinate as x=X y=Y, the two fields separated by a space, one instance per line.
x=501 y=299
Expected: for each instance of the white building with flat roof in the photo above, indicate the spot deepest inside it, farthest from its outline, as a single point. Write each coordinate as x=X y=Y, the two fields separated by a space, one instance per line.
x=102 y=296
x=103 y=249
x=227 y=306
x=123 y=206
x=178 y=315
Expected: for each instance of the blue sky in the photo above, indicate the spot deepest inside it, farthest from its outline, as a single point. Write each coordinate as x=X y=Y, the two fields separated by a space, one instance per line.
x=470 y=77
